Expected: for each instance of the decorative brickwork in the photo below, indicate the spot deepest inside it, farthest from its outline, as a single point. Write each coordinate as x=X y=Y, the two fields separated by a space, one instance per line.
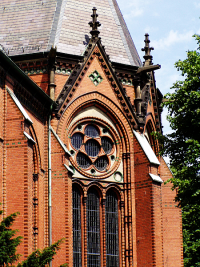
x=77 y=155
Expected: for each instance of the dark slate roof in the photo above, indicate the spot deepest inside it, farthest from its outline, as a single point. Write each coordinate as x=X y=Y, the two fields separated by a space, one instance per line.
x=30 y=26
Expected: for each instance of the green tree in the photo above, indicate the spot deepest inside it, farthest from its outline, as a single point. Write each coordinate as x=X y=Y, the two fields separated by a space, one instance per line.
x=40 y=258
x=182 y=146
x=9 y=243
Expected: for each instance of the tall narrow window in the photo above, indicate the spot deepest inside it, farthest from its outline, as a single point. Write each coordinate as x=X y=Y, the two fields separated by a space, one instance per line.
x=76 y=227
x=93 y=229
x=112 y=244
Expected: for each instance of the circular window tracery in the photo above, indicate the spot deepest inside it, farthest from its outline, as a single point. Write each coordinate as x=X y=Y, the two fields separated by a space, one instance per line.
x=94 y=148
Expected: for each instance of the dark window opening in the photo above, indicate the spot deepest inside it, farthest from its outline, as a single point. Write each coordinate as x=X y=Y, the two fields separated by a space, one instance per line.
x=101 y=163
x=91 y=131
x=92 y=148
x=112 y=243
x=107 y=144
x=93 y=229
x=76 y=228
x=83 y=161
x=77 y=140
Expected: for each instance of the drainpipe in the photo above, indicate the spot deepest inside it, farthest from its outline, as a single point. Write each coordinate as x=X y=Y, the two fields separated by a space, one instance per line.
x=49 y=183
x=138 y=100
x=52 y=56
x=52 y=83
x=52 y=67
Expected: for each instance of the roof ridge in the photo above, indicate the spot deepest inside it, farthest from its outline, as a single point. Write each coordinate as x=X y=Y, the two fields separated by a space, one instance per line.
x=125 y=34
x=57 y=23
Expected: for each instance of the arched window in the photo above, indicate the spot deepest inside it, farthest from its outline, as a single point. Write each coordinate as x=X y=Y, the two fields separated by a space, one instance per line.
x=76 y=227
x=93 y=229
x=112 y=242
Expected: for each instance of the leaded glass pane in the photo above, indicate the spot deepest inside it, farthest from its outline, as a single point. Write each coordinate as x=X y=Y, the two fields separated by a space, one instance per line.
x=92 y=148
x=101 y=163
x=83 y=161
x=77 y=140
x=93 y=229
x=91 y=131
x=112 y=244
x=107 y=144
x=76 y=228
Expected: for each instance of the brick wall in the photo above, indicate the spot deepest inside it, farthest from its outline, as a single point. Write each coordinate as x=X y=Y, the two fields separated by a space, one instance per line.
x=172 y=227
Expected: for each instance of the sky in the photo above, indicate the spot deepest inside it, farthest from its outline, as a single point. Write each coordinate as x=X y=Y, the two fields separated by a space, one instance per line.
x=170 y=25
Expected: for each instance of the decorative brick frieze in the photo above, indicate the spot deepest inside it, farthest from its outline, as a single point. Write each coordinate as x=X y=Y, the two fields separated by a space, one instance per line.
x=33 y=67
x=30 y=102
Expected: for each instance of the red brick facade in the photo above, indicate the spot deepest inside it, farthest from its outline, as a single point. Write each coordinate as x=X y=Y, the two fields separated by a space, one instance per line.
x=149 y=223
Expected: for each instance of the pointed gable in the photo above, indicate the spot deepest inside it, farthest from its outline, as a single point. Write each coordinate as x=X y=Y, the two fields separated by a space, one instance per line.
x=95 y=74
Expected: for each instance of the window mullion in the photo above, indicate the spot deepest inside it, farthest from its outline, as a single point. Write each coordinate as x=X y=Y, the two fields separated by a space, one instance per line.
x=84 y=257
x=104 y=231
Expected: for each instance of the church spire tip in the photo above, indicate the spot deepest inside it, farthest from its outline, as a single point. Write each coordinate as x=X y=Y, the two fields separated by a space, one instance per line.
x=94 y=23
x=147 y=49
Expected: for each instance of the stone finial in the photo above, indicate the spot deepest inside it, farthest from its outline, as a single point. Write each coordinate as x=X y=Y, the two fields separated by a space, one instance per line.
x=147 y=49
x=94 y=23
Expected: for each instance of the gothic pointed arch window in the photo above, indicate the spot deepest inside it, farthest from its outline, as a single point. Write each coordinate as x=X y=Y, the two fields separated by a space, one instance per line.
x=91 y=229
x=77 y=250
x=96 y=150
x=112 y=239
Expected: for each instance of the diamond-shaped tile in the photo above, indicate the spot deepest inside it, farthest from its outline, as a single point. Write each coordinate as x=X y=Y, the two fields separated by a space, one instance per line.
x=96 y=78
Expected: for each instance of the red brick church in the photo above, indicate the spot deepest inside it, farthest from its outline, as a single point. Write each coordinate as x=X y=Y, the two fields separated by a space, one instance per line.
x=77 y=157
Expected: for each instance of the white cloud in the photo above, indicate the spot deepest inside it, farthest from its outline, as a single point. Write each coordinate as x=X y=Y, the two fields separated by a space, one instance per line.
x=172 y=38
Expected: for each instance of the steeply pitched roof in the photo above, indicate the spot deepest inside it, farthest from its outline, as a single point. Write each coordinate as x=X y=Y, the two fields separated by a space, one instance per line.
x=28 y=27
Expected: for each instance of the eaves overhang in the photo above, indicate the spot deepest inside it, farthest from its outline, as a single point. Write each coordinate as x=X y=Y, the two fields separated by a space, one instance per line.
x=19 y=105
x=60 y=142
x=124 y=68
x=33 y=56
x=14 y=71
x=146 y=148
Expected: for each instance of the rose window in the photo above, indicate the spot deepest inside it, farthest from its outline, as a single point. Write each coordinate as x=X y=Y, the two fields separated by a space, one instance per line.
x=93 y=148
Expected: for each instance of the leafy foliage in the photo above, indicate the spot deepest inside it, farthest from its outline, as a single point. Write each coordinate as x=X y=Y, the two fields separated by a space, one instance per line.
x=8 y=243
x=183 y=148
x=40 y=258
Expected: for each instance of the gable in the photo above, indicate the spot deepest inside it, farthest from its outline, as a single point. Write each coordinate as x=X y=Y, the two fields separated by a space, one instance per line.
x=89 y=82
x=95 y=74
